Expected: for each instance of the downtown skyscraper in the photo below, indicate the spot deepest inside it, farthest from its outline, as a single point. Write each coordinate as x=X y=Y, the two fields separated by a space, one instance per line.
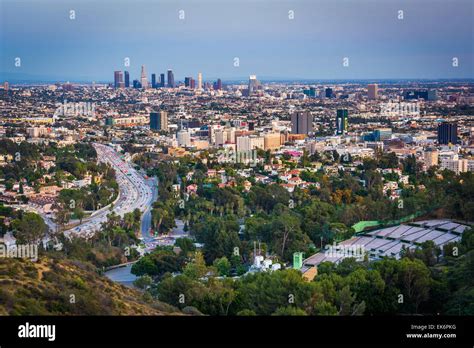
x=118 y=79
x=170 y=78
x=200 y=81
x=162 y=80
x=127 y=79
x=143 y=78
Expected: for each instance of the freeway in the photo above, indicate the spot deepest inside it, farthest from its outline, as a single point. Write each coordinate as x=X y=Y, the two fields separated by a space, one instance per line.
x=134 y=192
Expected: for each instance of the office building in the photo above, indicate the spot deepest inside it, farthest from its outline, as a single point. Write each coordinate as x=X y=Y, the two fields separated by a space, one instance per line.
x=342 y=121
x=170 y=79
x=143 y=78
x=301 y=122
x=372 y=91
x=272 y=141
x=162 y=80
x=248 y=143
x=218 y=85
x=311 y=92
x=137 y=84
x=118 y=79
x=431 y=157
x=253 y=84
x=184 y=138
x=200 y=81
x=127 y=79
x=429 y=95
x=187 y=81
x=329 y=93
x=447 y=133
x=381 y=134
x=159 y=121
x=153 y=81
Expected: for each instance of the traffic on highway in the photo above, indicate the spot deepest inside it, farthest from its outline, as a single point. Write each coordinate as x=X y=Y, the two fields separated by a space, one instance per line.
x=134 y=192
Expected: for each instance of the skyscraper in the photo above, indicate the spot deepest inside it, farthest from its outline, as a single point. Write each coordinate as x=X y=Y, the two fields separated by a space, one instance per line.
x=301 y=122
x=328 y=92
x=342 y=121
x=143 y=78
x=162 y=80
x=218 y=84
x=118 y=79
x=447 y=133
x=159 y=121
x=137 y=84
x=170 y=78
x=372 y=91
x=127 y=79
x=200 y=81
x=153 y=80
x=253 y=84
x=187 y=81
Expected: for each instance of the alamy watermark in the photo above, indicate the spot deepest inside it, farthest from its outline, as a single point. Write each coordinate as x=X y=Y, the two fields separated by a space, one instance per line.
x=356 y=251
x=400 y=108
x=21 y=251
x=245 y=157
x=75 y=109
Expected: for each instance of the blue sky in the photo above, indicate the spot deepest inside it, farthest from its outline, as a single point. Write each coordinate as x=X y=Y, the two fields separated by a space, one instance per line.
x=258 y=32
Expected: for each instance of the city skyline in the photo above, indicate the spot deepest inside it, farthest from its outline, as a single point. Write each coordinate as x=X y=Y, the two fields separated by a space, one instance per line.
x=210 y=36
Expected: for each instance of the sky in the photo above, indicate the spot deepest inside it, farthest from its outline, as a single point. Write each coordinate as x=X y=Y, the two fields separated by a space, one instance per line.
x=260 y=33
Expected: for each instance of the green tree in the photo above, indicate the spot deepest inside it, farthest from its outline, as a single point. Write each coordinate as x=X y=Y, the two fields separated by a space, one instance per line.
x=29 y=228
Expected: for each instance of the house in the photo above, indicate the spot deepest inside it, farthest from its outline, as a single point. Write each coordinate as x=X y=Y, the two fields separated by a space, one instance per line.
x=289 y=187
x=191 y=189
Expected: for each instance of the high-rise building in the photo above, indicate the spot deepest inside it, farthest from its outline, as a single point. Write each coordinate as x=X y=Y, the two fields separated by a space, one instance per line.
x=311 y=92
x=143 y=78
x=162 y=80
x=272 y=141
x=170 y=78
x=447 y=133
x=328 y=92
x=187 y=81
x=199 y=81
x=159 y=121
x=218 y=85
x=137 y=84
x=342 y=121
x=153 y=80
x=118 y=78
x=429 y=95
x=192 y=83
x=253 y=84
x=184 y=138
x=372 y=91
x=5 y=86
x=127 y=79
x=431 y=157
x=301 y=122
x=248 y=143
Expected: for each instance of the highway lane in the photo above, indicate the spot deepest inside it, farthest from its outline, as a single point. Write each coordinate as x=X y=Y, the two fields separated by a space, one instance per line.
x=146 y=219
x=134 y=192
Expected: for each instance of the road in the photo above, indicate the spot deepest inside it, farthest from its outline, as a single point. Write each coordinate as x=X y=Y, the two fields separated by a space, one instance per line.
x=146 y=218
x=134 y=192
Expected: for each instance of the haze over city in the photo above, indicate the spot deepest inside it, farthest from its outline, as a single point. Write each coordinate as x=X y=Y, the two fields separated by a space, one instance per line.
x=273 y=39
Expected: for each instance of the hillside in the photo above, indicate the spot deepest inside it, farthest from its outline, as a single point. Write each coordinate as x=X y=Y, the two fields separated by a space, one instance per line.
x=64 y=287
